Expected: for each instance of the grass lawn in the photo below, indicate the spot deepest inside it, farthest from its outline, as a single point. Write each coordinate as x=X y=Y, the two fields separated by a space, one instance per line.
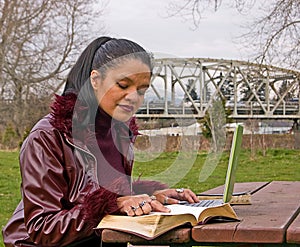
x=9 y=186
x=275 y=165
x=167 y=167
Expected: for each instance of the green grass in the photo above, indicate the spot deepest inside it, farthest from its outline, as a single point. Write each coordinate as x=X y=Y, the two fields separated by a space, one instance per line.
x=275 y=165
x=9 y=186
x=171 y=168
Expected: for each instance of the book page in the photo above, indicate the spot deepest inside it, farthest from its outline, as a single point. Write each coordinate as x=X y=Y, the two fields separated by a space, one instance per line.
x=177 y=209
x=202 y=213
x=182 y=209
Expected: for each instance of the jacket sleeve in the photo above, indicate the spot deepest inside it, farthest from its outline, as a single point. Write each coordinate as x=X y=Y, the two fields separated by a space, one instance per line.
x=50 y=217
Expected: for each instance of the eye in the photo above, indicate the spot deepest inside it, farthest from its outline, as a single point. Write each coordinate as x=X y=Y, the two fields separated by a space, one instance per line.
x=122 y=85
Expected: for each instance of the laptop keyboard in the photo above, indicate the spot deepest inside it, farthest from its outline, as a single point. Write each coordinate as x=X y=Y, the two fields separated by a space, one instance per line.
x=205 y=203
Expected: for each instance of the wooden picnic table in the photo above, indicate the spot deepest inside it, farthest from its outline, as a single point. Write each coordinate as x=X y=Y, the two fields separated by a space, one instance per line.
x=272 y=219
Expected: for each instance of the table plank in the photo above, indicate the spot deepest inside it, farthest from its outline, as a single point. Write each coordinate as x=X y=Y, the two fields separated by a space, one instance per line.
x=293 y=232
x=265 y=221
x=247 y=187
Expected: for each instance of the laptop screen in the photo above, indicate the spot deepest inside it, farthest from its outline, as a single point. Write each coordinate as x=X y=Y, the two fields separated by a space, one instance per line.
x=232 y=163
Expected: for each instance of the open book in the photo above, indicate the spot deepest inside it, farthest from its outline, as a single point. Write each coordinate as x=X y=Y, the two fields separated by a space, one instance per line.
x=152 y=225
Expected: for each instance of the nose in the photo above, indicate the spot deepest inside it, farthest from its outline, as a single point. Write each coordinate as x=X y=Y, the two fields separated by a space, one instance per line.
x=132 y=96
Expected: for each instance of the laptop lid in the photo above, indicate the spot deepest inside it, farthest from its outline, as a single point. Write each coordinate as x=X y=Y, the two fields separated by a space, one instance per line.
x=232 y=163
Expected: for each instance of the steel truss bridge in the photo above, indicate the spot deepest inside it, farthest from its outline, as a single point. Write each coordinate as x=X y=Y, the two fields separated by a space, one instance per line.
x=187 y=87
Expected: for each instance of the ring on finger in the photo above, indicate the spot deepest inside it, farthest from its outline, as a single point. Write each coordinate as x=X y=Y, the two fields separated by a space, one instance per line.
x=153 y=198
x=180 y=190
x=166 y=200
x=134 y=208
x=142 y=203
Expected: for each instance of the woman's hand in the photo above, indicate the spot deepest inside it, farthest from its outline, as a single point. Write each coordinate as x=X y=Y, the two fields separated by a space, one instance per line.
x=173 y=196
x=139 y=205
x=144 y=204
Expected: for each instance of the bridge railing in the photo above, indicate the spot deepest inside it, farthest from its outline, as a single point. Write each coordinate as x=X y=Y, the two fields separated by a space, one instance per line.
x=188 y=87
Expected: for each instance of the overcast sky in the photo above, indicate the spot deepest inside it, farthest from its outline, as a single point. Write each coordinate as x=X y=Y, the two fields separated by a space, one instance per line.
x=145 y=22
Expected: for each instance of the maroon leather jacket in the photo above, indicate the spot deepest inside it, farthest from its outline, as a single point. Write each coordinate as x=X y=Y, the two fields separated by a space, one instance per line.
x=62 y=200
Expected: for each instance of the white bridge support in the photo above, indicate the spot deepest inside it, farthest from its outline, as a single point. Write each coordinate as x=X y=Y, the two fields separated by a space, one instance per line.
x=248 y=90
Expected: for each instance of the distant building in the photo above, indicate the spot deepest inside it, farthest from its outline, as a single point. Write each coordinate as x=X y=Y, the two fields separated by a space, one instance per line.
x=274 y=127
x=191 y=130
x=268 y=127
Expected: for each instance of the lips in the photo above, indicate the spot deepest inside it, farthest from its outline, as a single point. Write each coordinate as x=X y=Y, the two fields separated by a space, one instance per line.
x=127 y=108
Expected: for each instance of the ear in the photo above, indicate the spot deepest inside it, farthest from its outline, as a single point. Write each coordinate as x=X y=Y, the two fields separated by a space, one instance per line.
x=95 y=77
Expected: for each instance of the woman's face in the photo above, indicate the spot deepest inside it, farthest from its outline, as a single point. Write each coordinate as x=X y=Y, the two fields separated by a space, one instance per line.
x=122 y=91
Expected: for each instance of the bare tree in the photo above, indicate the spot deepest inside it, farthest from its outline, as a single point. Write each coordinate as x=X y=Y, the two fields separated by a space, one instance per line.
x=274 y=37
x=39 y=41
x=193 y=10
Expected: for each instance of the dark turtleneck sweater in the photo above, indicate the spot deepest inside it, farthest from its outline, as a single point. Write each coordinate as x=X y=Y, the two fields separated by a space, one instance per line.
x=113 y=142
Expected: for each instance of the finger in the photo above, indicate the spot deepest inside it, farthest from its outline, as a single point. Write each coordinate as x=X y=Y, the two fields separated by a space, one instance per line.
x=171 y=201
x=146 y=208
x=158 y=207
x=161 y=198
x=191 y=197
x=138 y=211
x=195 y=197
x=188 y=195
x=129 y=212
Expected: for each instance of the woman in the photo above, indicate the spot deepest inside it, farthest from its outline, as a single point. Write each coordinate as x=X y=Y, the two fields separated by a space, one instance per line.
x=76 y=163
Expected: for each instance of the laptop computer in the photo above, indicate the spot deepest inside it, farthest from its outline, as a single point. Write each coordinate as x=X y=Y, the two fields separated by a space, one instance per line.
x=231 y=171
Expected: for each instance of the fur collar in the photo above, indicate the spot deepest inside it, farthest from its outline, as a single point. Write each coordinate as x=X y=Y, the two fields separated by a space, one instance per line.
x=62 y=110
